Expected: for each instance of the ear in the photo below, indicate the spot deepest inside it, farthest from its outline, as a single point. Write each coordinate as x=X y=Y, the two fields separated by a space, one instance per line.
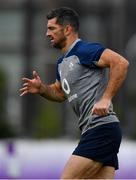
x=68 y=30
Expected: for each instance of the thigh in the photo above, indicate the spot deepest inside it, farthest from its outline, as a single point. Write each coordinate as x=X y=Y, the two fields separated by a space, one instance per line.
x=79 y=167
x=106 y=172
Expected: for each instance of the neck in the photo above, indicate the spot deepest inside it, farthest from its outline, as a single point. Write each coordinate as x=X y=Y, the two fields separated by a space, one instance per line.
x=69 y=42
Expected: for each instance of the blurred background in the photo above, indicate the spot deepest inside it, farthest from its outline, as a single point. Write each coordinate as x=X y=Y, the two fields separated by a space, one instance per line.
x=31 y=122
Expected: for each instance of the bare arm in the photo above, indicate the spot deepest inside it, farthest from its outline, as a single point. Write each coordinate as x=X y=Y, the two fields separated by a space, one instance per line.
x=118 y=66
x=51 y=92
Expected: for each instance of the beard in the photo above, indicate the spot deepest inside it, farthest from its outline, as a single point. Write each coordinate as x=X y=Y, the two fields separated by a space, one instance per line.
x=60 y=44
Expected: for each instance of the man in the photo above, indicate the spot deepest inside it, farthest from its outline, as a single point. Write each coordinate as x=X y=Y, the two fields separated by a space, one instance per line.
x=81 y=79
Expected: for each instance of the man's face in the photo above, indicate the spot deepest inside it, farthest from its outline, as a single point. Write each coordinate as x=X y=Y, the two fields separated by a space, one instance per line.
x=55 y=33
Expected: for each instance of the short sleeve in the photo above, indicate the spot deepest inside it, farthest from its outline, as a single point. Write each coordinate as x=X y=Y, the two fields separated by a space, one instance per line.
x=91 y=54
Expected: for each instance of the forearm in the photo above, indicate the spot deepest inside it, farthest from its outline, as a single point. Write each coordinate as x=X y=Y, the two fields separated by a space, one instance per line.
x=118 y=66
x=117 y=75
x=51 y=93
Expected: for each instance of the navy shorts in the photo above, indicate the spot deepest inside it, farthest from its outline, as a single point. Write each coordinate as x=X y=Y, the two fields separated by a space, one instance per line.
x=101 y=144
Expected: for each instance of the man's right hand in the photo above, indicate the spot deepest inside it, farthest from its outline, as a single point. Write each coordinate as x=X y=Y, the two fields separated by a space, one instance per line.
x=31 y=85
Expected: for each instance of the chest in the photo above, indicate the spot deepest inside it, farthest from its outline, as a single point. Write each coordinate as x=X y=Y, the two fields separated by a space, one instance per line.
x=71 y=70
x=74 y=76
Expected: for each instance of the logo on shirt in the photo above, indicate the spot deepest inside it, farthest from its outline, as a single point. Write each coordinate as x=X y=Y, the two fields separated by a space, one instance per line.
x=71 y=65
x=71 y=98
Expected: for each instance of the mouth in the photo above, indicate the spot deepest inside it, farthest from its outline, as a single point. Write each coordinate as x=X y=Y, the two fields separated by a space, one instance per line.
x=51 y=39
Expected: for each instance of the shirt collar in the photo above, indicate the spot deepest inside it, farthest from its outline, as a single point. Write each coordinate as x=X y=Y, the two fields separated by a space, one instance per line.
x=72 y=45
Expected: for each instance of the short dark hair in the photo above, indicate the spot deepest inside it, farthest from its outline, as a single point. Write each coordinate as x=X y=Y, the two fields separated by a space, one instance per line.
x=65 y=16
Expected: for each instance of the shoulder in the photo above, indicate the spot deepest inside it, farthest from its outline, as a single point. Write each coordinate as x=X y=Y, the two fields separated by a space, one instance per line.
x=88 y=52
x=88 y=49
x=85 y=45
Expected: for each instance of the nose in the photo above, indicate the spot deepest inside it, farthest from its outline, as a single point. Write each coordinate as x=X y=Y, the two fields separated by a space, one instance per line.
x=47 y=34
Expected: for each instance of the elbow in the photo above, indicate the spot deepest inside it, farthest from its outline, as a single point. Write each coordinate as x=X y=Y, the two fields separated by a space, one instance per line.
x=62 y=99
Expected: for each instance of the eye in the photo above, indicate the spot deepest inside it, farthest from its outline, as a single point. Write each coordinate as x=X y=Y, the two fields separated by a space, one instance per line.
x=51 y=28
